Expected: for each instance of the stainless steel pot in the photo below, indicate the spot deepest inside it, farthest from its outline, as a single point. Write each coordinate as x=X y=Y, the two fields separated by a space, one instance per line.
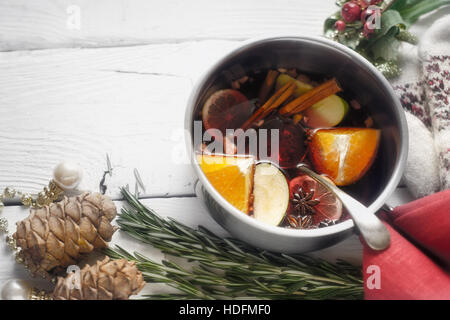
x=358 y=77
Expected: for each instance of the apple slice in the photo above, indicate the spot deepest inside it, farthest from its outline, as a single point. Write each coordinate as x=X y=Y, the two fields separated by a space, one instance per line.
x=270 y=194
x=302 y=87
x=328 y=112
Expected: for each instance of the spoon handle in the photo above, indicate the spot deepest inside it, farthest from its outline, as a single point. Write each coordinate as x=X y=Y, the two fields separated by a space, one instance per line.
x=371 y=228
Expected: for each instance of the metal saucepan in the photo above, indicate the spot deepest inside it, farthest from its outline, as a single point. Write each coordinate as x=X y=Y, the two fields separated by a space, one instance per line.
x=358 y=78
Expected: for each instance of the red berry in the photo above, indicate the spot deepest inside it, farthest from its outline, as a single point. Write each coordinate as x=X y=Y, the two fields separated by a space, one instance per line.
x=368 y=29
x=350 y=12
x=340 y=25
x=362 y=3
x=375 y=2
x=366 y=14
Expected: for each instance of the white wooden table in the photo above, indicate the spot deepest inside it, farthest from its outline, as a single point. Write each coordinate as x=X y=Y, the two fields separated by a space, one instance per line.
x=80 y=79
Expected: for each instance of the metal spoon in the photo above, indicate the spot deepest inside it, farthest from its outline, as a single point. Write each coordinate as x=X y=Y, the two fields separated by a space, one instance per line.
x=371 y=228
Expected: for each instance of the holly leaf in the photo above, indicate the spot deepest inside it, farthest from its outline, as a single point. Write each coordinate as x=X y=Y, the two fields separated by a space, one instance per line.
x=381 y=47
x=386 y=47
x=390 y=19
x=384 y=44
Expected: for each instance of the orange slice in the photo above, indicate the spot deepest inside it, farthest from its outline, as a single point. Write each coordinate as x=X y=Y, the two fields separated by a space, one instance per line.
x=231 y=176
x=226 y=109
x=344 y=154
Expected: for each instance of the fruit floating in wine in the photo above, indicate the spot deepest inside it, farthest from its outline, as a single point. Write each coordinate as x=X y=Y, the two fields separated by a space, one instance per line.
x=316 y=126
x=290 y=144
x=225 y=109
x=344 y=154
x=311 y=198
x=270 y=194
x=231 y=176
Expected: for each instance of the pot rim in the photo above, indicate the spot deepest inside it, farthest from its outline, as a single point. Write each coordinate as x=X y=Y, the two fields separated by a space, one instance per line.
x=298 y=233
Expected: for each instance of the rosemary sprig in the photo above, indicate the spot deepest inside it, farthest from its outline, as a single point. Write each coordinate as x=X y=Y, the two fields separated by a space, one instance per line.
x=226 y=268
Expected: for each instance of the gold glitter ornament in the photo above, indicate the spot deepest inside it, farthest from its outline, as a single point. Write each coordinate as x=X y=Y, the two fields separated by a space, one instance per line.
x=66 y=176
x=11 y=243
x=390 y=68
x=3 y=225
x=9 y=193
x=44 y=198
x=20 y=260
x=36 y=294
x=27 y=200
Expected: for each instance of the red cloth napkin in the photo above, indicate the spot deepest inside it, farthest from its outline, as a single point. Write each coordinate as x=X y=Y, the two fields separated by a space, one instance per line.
x=417 y=263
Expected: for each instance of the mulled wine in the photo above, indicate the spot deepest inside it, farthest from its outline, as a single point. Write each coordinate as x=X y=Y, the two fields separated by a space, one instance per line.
x=262 y=126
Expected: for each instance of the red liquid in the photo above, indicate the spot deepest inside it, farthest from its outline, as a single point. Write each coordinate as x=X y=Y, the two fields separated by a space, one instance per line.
x=292 y=142
x=291 y=148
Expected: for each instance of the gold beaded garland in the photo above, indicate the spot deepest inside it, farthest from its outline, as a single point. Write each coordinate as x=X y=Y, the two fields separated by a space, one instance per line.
x=36 y=294
x=3 y=225
x=45 y=197
x=11 y=243
x=9 y=193
x=27 y=200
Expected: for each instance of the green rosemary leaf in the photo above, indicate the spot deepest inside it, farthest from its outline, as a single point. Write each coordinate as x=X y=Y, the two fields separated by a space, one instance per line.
x=296 y=286
x=232 y=245
x=228 y=268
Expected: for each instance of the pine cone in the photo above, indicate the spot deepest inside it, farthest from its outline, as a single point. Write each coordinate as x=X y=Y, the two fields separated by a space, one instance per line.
x=106 y=280
x=54 y=236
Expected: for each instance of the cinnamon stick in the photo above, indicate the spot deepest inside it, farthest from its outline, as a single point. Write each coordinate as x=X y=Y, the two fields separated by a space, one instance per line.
x=274 y=102
x=306 y=100
x=267 y=86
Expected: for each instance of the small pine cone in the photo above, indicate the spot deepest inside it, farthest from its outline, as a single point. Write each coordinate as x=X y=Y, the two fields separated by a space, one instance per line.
x=106 y=280
x=55 y=236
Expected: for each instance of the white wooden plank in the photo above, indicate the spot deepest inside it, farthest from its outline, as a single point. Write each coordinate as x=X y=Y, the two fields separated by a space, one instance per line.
x=80 y=104
x=186 y=210
x=54 y=23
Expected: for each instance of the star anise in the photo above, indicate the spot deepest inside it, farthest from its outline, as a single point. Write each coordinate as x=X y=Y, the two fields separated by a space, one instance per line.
x=326 y=223
x=300 y=222
x=306 y=222
x=303 y=202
